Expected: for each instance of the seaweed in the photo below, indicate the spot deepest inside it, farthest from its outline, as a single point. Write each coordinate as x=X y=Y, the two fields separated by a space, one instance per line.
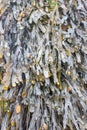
x=43 y=64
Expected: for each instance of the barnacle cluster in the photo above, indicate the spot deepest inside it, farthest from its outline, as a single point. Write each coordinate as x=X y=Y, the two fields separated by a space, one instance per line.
x=43 y=64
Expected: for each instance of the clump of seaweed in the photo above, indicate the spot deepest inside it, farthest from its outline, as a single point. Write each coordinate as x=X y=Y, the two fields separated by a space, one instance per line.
x=43 y=53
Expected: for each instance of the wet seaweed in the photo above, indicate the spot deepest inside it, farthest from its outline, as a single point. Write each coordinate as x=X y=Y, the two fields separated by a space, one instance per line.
x=43 y=64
